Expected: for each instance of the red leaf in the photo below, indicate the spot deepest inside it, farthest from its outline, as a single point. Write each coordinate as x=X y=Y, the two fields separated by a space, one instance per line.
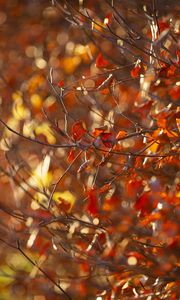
x=165 y=72
x=43 y=214
x=144 y=108
x=45 y=248
x=71 y=156
x=78 y=130
x=108 y=19
x=41 y=245
x=171 y=71
x=135 y=72
x=108 y=139
x=175 y=92
x=142 y=204
x=163 y=26
x=146 y=203
x=101 y=62
x=60 y=83
x=133 y=187
x=92 y=202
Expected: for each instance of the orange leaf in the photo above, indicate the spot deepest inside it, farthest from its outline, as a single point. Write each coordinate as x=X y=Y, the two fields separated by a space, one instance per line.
x=121 y=134
x=151 y=218
x=105 y=91
x=78 y=130
x=98 y=131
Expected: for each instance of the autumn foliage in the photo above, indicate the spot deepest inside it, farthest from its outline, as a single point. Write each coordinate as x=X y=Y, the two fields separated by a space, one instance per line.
x=89 y=150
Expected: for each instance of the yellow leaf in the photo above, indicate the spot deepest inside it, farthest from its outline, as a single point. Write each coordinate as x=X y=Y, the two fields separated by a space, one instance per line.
x=41 y=176
x=66 y=196
x=28 y=128
x=44 y=129
x=153 y=148
x=12 y=123
x=16 y=96
x=19 y=111
x=36 y=101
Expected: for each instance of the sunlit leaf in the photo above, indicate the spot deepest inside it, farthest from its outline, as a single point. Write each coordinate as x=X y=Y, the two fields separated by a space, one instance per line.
x=41 y=176
x=65 y=200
